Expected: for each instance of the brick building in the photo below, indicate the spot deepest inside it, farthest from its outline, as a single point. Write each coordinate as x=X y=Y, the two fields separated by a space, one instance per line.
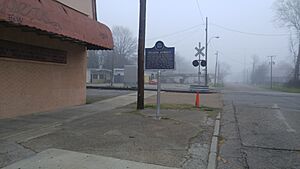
x=43 y=53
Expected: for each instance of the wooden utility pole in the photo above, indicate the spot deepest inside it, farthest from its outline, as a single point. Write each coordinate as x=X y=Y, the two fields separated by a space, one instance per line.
x=112 y=69
x=206 y=46
x=253 y=70
x=141 y=53
x=271 y=75
x=216 y=67
x=219 y=79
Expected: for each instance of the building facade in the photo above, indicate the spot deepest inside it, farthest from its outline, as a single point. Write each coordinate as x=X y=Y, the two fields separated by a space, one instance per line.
x=87 y=7
x=43 y=53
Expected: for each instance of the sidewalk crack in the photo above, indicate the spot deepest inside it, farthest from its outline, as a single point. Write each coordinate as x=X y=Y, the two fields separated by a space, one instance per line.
x=271 y=148
x=242 y=151
x=27 y=147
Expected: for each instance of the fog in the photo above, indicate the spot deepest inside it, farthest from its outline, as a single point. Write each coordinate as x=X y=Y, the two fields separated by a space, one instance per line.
x=245 y=28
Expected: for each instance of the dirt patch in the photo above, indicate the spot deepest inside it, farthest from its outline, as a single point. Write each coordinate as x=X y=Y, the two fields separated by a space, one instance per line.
x=213 y=100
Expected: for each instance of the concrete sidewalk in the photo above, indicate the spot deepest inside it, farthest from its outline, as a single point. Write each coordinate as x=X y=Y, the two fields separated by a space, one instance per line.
x=62 y=159
x=113 y=128
x=20 y=128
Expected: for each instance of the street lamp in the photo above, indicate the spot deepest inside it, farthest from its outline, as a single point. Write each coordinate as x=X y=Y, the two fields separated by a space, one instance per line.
x=206 y=54
x=214 y=37
x=216 y=67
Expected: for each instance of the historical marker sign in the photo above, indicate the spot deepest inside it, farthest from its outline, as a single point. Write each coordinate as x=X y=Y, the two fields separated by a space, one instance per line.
x=160 y=57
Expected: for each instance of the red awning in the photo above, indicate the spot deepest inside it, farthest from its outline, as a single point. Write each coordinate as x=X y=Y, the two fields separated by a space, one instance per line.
x=57 y=20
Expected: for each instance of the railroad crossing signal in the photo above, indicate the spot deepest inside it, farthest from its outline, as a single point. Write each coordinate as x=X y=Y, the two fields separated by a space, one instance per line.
x=203 y=63
x=199 y=50
x=199 y=62
x=196 y=63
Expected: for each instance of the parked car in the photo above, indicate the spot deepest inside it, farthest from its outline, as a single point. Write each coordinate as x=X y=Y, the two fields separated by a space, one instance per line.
x=153 y=82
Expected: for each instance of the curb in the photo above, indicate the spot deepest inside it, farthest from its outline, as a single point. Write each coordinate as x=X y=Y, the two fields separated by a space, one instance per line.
x=147 y=89
x=212 y=158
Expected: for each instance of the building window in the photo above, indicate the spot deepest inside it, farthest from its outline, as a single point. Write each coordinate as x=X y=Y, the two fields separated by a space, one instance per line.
x=95 y=76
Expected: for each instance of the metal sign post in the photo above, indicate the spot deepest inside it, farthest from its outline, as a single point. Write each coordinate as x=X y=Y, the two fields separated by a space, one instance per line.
x=199 y=53
x=158 y=96
x=159 y=58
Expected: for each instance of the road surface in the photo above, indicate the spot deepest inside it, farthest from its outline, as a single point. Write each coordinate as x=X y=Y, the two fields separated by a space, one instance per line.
x=260 y=129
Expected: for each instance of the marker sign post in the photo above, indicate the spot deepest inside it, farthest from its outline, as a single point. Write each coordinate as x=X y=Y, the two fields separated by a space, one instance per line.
x=159 y=58
x=199 y=53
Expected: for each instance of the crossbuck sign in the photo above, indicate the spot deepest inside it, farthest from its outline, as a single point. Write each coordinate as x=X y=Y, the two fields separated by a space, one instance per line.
x=199 y=50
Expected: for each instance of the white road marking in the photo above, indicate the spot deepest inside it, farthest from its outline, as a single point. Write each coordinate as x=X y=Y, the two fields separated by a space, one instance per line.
x=280 y=116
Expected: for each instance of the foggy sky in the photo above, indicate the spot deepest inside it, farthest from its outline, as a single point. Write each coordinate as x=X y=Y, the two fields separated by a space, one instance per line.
x=179 y=23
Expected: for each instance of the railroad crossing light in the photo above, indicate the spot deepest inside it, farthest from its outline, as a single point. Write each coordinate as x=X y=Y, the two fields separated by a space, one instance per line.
x=195 y=63
x=203 y=63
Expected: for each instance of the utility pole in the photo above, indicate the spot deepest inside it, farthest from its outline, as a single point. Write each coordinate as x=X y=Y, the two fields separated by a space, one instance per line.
x=216 y=67
x=199 y=67
x=253 y=69
x=271 y=75
x=219 y=73
x=247 y=82
x=244 y=70
x=112 y=69
x=141 y=53
x=206 y=45
x=254 y=62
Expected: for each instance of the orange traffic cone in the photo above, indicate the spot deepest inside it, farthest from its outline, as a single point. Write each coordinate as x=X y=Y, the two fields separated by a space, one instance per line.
x=197 y=103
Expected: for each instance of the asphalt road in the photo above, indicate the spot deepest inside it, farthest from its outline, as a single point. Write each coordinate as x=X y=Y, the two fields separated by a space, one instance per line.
x=95 y=95
x=169 y=86
x=260 y=129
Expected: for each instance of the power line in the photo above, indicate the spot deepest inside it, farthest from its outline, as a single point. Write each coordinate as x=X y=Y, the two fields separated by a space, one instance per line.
x=200 y=12
x=219 y=26
x=231 y=59
x=185 y=37
x=248 y=33
x=175 y=33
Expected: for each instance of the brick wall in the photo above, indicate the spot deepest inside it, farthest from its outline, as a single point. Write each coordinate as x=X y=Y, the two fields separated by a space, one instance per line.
x=28 y=86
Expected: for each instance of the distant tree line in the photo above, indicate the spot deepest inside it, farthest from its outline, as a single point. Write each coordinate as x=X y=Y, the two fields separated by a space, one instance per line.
x=288 y=15
x=124 y=52
x=260 y=74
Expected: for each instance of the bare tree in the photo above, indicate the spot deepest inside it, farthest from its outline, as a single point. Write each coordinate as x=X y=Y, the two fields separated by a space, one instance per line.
x=224 y=70
x=93 y=59
x=283 y=69
x=293 y=50
x=259 y=75
x=183 y=65
x=288 y=14
x=125 y=48
x=255 y=61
